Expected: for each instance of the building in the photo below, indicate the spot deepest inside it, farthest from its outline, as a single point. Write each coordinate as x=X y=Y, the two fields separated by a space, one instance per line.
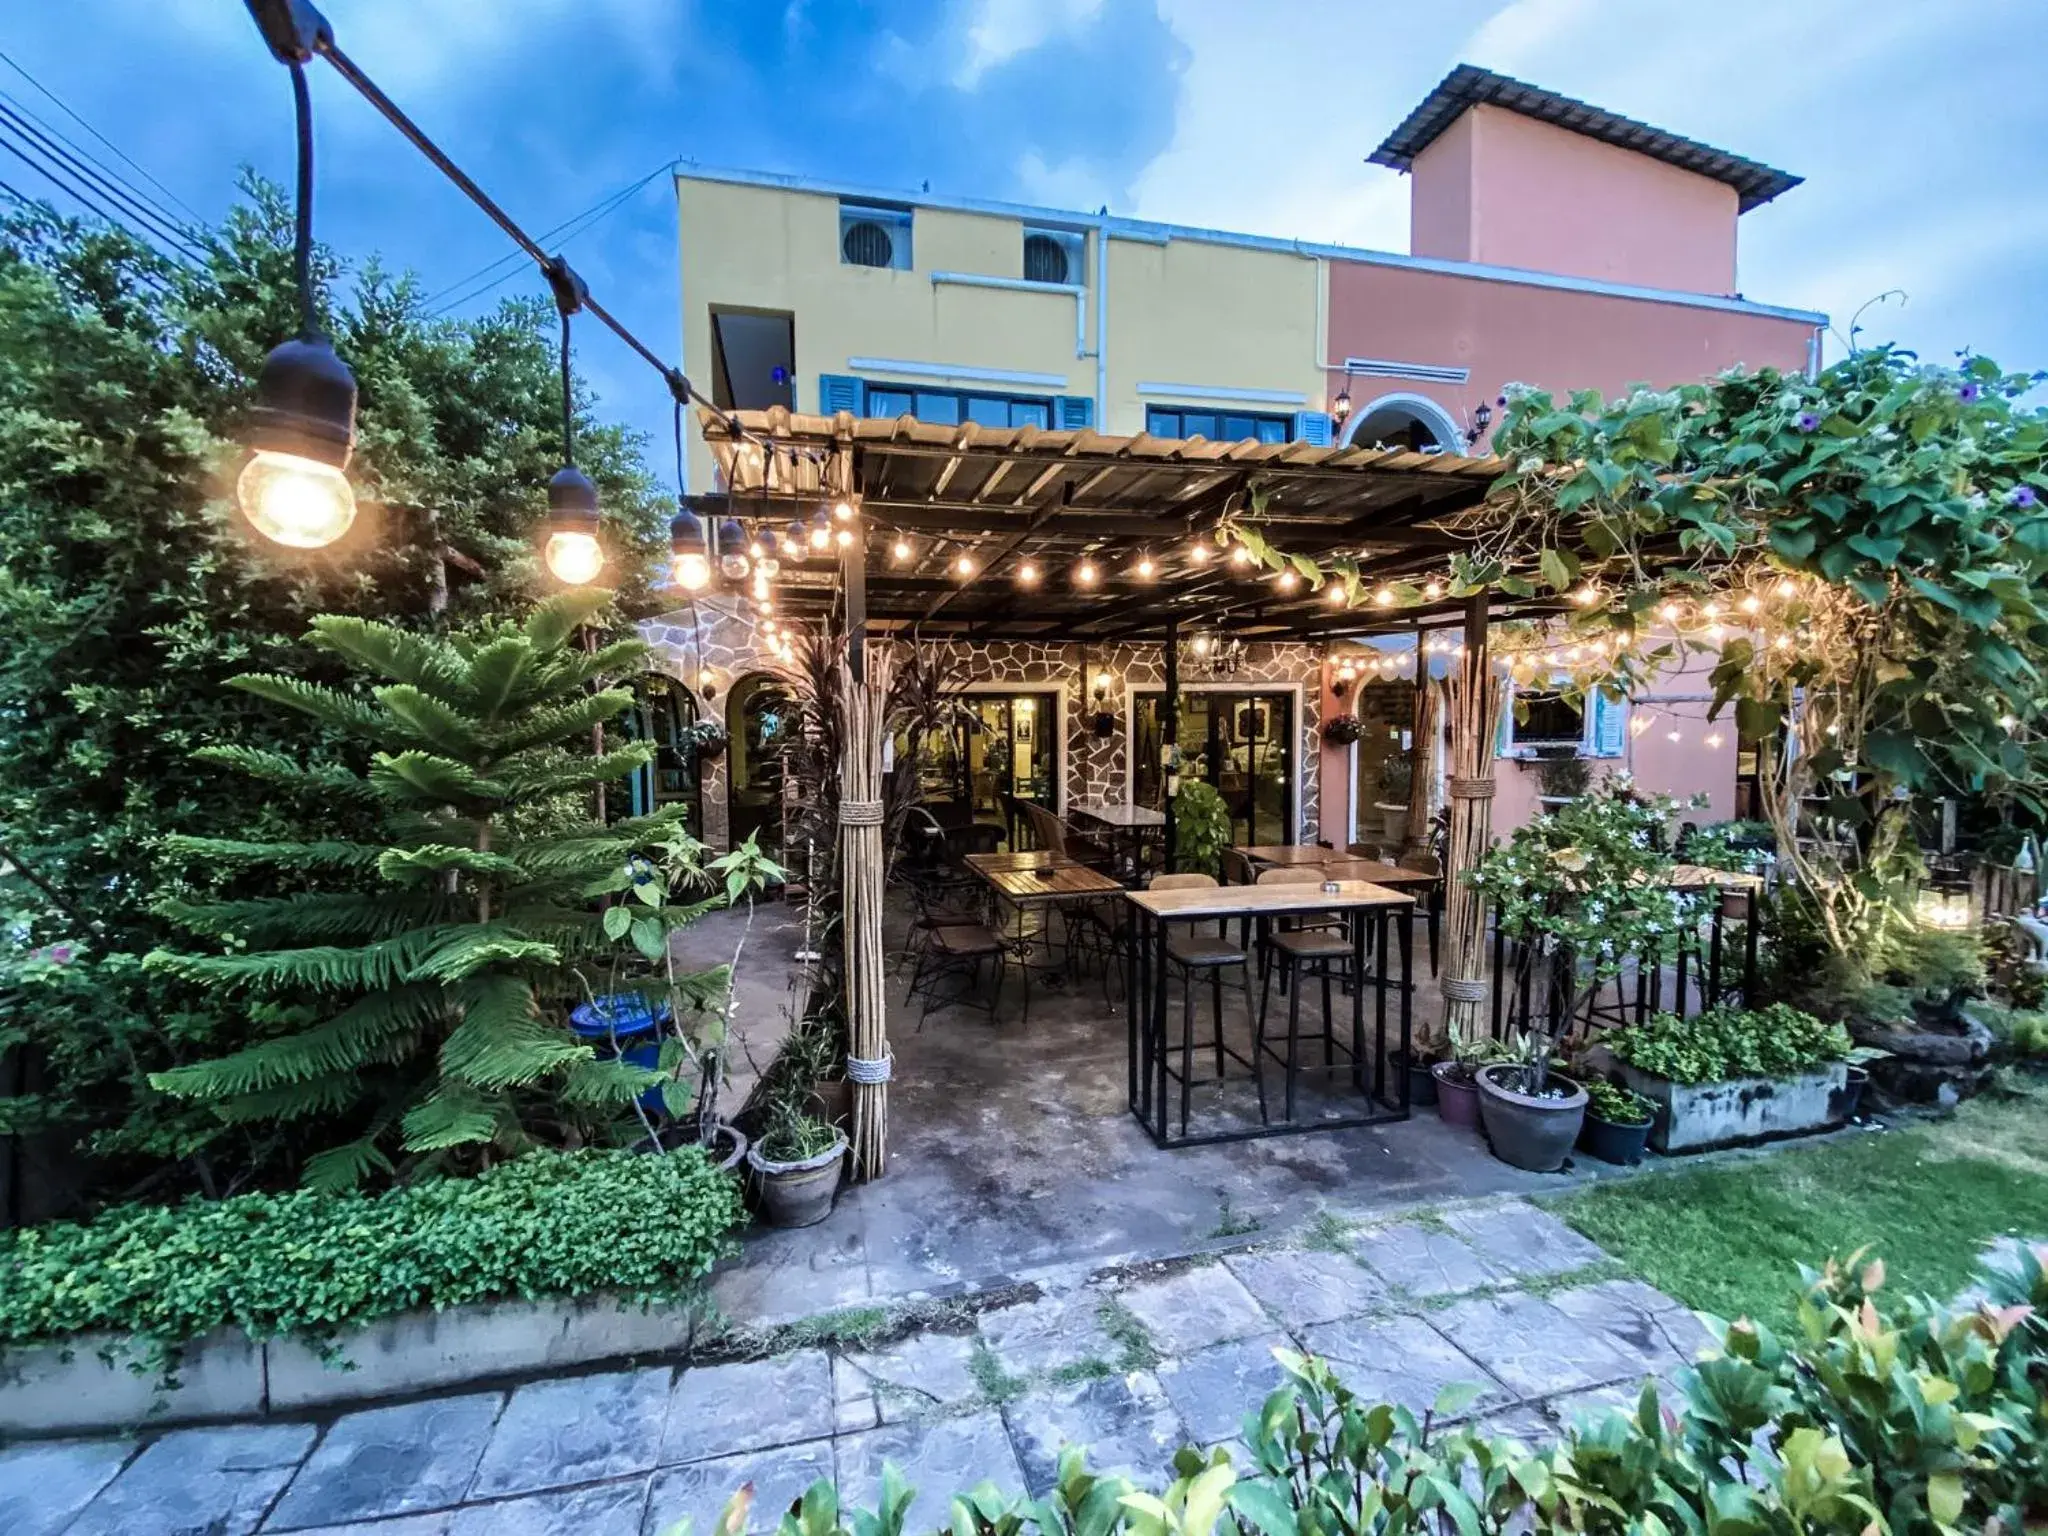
x=1553 y=243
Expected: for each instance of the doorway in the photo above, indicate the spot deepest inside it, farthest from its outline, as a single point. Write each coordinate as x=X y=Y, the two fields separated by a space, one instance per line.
x=664 y=715
x=758 y=720
x=1242 y=742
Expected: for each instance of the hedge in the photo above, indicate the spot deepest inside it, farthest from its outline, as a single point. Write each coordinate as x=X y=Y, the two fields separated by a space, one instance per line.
x=640 y=1227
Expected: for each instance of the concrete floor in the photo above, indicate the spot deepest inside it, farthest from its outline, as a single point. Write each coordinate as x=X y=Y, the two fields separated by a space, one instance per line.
x=1013 y=1154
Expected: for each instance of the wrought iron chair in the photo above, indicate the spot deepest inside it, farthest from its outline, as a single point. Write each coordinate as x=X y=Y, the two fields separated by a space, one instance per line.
x=1189 y=954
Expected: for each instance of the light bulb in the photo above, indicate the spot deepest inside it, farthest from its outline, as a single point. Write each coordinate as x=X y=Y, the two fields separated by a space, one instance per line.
x=760 y=588
x=574 y=557
x=1198 y=552
x=1334 y=593
x=1288 y=580
x=1715 y=738
x=1384 y=597
x=819 y=536
x=755 y=550
x=1433 y=589
x=732 y=565
x=1145 y=567
x=1586 y=596
x=1672 y=736
x=769 y=569
x=1784 y=588
x=1240 y=555
x=1084 y=573
x=1712 y=610
x=1102 y=681
x=900 y=551
x=843 y=538
x=1782 y=643
x=1027 y=574
x=1668 y=613
x=1201 y=645
x=1751 y=603
x=964 y=567
x=2008 y=722
x=298 y=502
x=843 y=511
x=693 y=571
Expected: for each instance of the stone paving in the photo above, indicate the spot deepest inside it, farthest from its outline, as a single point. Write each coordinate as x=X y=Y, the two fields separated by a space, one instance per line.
x=1130 y=1363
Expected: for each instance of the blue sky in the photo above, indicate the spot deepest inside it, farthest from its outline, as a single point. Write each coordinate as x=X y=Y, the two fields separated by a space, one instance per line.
x=1918 y=127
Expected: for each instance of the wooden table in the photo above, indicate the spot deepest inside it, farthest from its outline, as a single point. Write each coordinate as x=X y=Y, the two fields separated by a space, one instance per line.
x=1127 y=824
x=1359 y=902
x=1376 y=872
x=1285 y=854
x=1055 y=881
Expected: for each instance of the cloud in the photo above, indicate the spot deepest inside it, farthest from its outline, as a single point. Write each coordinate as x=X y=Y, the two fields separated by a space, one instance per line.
x=1003 y=29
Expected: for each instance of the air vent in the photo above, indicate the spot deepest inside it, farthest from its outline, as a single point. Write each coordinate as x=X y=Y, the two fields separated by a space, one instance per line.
x=872 y=236
x=1053 y=256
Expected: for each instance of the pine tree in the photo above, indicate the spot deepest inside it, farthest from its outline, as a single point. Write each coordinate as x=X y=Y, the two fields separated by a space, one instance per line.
x=416 y=990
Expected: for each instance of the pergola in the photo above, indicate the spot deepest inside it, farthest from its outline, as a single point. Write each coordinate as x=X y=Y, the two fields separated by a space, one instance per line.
x=974 y=534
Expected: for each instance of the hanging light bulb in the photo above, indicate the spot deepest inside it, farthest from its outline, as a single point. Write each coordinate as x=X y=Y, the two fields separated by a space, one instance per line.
x=1433 y=588
x=756 y=550
x=1288 y=581
x=1668 y=612
x=1144 y=567
x=1384 y=597
x=1084 y=574
x=572 y=551
x=1785 y=588
x=1240 y=555
x=1673 y=736
x=1201 y=644
x=900 y=550
x=1198 y=552
x=692 y=566
x=732 y=554
x=1714 y=738
x=793 y=541
x=819 y=535
x=843 y=537
x=1027 y=574
x=964 y=566
x=1586 y=596
x=842 y=511
x=768 y=566
x=1333 y=593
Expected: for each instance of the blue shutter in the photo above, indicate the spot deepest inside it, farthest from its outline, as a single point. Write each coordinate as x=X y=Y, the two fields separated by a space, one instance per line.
x=838 y=392
x=1076 y=412
x=1609 y=732
x=1312 y=427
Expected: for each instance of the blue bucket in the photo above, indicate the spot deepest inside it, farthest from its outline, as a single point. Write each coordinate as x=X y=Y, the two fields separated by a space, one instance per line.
x=618 y=1024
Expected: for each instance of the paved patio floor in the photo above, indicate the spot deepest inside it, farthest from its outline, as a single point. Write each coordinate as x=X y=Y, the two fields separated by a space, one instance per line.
x=1131 y=1363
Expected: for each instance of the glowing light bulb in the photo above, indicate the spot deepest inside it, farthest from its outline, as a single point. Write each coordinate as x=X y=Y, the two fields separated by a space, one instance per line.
x=692 y=571
x=900 y=551
x=1240 y=555
x=1433 y=588
x=843 y=511
x=964 y=566
x=1586 y=596
x=760 y=588
x=1201 y=645
x=1668 y=612
x=1715 y=631
x=843 y=538
x=1715 y=738
x=1198 y=552
x=1672 y=736
x=1333 y=594
x=298 y=502
x=755 y=550
x=819 y=536
x=1384 y=597
x=2008 y=722
x=1712 y=610
x=1027 y=574
x=1145 y=567
x=1288 y=580
x=1785 y=588
x=1751 y=603
x=576 y=557
x=1084 y=574
x=1782 y=643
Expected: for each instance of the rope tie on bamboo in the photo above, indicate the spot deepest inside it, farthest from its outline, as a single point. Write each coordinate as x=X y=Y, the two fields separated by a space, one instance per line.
x=860 y=813
x=1457 y=989
x=861 y=1071
x=1472 y=789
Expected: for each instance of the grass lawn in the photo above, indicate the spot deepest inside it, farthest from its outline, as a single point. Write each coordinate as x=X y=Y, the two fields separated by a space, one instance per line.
x=1726 y=1239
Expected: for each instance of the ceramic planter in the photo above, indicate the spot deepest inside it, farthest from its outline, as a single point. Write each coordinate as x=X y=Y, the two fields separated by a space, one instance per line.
x=1692 y=1117
x=1393 y=824
x=1612 y=1141
x=1421 y=1080
x=798 y=1194
x=1526 y=1131
x=1457 y=1095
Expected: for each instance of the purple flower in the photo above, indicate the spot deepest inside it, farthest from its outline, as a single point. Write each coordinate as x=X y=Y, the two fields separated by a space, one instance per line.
x=1970 y=392
x=1806 y=421
x=2023 y=497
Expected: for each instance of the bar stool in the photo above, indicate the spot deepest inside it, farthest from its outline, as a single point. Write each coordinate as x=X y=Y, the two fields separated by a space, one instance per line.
x=1190 y=953
x=1301 y=954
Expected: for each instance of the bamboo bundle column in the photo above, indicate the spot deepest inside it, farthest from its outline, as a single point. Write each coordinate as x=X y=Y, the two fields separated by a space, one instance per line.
x=1475 y=701
x=1425 y=780
x=868 y=1062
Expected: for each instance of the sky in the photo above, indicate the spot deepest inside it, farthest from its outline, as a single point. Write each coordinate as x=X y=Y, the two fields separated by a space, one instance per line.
x=1919 y=127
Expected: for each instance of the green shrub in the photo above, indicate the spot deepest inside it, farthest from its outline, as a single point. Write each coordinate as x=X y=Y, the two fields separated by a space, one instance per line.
x=1721 y=1043
x=551 y=1224
x=1617 y=1105
x=1910 y=1420
x=1201 y=826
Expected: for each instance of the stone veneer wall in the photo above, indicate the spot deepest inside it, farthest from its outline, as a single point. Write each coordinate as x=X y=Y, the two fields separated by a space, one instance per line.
x=724 y=639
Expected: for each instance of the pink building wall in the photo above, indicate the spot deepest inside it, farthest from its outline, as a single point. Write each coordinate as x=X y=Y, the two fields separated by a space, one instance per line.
x=1506 y=190
x=1557 y=339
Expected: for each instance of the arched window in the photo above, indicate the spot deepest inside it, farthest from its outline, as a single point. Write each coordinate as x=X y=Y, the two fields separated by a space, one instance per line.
x=663 y=714
x=759 y=716
x=1414 y=422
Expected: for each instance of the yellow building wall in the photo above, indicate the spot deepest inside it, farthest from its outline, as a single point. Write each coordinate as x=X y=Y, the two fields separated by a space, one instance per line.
x=1221 y=316
x=1181 y=311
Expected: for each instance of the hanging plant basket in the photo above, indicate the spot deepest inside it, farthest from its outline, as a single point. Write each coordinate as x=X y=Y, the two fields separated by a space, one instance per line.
x=1343 y=730
x=707 y=739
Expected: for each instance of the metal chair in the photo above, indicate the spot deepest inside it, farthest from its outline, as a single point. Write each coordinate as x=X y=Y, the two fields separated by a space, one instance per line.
x=1428 y=863
x=957 y=952
x=1301 y=954
x=1197 y=952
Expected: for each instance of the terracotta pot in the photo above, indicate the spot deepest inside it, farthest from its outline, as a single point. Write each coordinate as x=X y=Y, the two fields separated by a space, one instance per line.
x=1526 y=1131
x=1457 y=1095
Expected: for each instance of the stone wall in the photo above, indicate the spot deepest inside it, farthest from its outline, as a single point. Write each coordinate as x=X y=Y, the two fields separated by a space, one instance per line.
x=713 y=643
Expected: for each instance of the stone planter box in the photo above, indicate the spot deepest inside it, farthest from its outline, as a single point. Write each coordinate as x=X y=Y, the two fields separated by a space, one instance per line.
x=92 y=1382
x=1691 y=1117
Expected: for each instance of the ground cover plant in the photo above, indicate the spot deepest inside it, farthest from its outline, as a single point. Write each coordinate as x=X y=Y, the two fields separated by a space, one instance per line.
x=1726 y=1042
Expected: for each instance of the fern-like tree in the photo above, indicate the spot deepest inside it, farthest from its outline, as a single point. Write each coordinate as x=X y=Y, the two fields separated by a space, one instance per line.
x=414 y=987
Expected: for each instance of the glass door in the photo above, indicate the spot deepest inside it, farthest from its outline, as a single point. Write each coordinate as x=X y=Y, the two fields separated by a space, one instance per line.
x=1240 y=742
x=759 y=718
x=1012 y=754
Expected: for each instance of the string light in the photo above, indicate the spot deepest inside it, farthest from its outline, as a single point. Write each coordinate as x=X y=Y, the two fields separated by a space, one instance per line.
x=1198 y=552
x=1384 y=597
x=692 y=567
x=1586 y=596
x=1751 y=603
x=1288 y=581
x=755 y=550
x=1145 y=567
x=1240 y=555
x=1715 y=738
x=1712 y=610
x=1084 y=574
x=964 y=566
x=820 y=535
x=1433 y=589
x=843 y=537
x=1333 y=594
x=843 y=511
x=1673 y=736
x=1668 y=613
x=1027 y=574
x=900 y=551
x=1785 y=588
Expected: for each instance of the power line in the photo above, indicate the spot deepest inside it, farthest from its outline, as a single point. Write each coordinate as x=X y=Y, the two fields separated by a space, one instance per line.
x=122 y=154
x=562 y=233
x=83 y=195
x=149 y=279
x=157 y=223
x=27 y=121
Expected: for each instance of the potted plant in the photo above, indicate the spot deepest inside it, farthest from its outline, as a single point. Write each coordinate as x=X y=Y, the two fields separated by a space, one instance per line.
x=1201 y=826
x=1531 y=1114
x=797 y=1163
x=1342 y=730
x=1396 y=780
x=1618 y=1122
x=1732 y=1075
x=1457 y=1080
x=1561 y=780
x=707 y=739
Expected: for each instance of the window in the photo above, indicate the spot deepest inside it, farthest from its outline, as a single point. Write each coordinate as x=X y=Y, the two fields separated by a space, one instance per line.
x=1054 y=255
x=951 y=407
x=1218 y=426
x=874 y=235
x=1545 y=722
x=753 y=360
